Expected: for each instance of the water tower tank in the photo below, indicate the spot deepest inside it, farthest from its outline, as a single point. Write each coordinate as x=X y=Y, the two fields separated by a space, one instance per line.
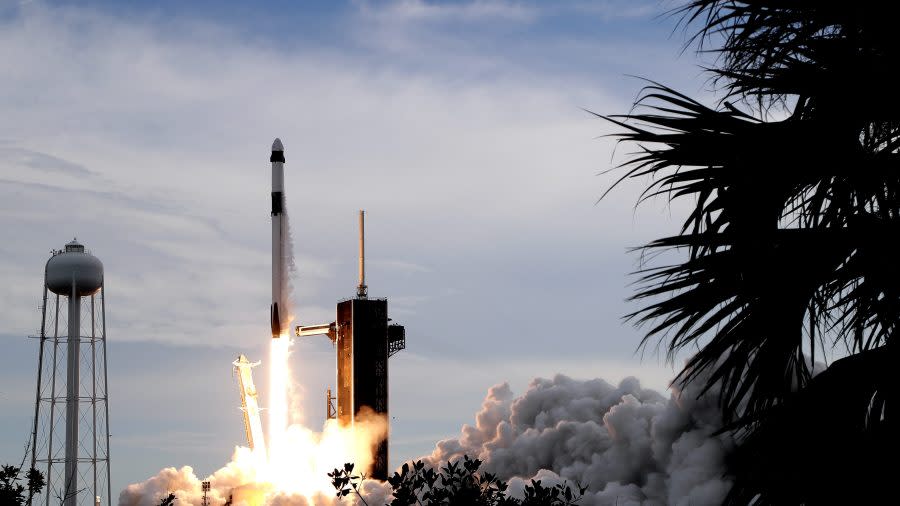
x=70 y=433
x=74 y=265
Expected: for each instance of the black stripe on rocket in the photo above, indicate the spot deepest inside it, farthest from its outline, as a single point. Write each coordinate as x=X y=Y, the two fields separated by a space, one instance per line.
x=276 y=320
x=277 y=203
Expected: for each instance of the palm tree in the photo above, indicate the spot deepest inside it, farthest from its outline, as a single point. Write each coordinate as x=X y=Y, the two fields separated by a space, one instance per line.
x=795 y=182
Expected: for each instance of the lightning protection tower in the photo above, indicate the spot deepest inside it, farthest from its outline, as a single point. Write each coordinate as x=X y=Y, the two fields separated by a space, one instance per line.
x=70 y=436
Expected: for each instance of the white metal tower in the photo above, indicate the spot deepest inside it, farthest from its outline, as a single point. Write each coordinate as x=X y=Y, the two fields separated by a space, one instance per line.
x=70 y=436
x=250 y=404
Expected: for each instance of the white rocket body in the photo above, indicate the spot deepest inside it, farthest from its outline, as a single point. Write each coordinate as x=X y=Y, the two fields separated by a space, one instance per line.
x=279 y=310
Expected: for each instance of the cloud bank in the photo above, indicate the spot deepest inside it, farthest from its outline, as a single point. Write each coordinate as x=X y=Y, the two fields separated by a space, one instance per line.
x=155 y=138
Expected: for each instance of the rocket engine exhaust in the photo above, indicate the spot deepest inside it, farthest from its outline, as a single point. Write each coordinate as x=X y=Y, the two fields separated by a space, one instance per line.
x=279 y=310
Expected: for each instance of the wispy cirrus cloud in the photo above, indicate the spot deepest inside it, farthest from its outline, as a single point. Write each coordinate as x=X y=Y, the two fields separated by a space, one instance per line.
x=172 y=164
x=41 y=161
x=469 y=11
x=506 y=11
x=617 y=9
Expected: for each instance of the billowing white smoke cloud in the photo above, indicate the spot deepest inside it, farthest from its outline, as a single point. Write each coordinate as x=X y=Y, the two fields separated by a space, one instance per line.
x=629 y=445
x=230 y=480
x=298 y=479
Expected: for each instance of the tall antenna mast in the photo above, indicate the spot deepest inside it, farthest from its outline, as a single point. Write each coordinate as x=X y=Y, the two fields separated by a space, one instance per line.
x=362 y=290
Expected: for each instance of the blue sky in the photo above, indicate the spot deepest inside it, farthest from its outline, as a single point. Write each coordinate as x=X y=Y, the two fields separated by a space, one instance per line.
x=143 y=128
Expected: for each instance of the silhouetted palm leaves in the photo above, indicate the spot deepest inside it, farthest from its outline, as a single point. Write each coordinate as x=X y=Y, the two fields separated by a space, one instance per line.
x=789 y=245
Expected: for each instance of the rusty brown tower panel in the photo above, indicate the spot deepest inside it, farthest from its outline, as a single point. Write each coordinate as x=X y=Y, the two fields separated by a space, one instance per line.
x=362 y=367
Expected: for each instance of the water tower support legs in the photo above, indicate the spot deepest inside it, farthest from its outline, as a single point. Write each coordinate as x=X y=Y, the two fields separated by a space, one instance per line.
x=72 y=393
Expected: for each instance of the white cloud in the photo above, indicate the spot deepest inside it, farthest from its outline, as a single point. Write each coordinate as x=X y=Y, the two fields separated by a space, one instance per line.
x=151 y=146
x=470 y=11
x=620 y=9
x=41 y=161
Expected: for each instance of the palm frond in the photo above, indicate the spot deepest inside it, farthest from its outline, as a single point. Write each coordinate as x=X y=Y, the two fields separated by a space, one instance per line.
x=788 y=241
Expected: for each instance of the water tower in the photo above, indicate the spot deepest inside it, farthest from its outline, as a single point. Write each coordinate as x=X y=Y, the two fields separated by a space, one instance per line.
x=70 y=436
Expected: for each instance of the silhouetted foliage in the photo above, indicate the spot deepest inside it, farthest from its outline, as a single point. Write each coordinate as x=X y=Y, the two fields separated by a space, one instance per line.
x=344 y=481
x=168 y=500
x=794 y=180
x=12 y=492
x=455 y=484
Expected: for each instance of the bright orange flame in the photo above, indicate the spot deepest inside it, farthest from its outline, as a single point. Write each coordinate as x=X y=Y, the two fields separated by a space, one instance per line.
x=298 y=458
x=293 y=472
x=279 y=382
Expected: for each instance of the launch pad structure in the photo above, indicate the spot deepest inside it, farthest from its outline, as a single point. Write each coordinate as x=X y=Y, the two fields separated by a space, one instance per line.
x=364 y=340
x=250 y=403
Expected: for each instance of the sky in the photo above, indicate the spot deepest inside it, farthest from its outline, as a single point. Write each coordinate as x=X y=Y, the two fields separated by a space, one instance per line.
x=144 y=129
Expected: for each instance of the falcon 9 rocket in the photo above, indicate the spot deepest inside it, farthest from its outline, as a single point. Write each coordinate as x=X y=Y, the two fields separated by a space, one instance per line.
x=279 y=310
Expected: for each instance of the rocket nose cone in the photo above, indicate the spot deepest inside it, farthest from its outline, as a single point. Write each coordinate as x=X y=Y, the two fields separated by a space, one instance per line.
x=277 y=146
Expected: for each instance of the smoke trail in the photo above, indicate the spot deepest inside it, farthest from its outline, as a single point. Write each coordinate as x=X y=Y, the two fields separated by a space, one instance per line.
x=290 y=271
x=279 y=373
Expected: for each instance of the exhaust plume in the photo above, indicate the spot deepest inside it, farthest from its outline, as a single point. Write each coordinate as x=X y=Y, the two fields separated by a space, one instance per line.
x=628 y=445
x=300 y=479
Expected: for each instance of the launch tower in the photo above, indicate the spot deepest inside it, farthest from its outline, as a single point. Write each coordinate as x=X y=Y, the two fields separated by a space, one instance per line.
x=70 y=436
x=250 y=404
x=364 y=341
